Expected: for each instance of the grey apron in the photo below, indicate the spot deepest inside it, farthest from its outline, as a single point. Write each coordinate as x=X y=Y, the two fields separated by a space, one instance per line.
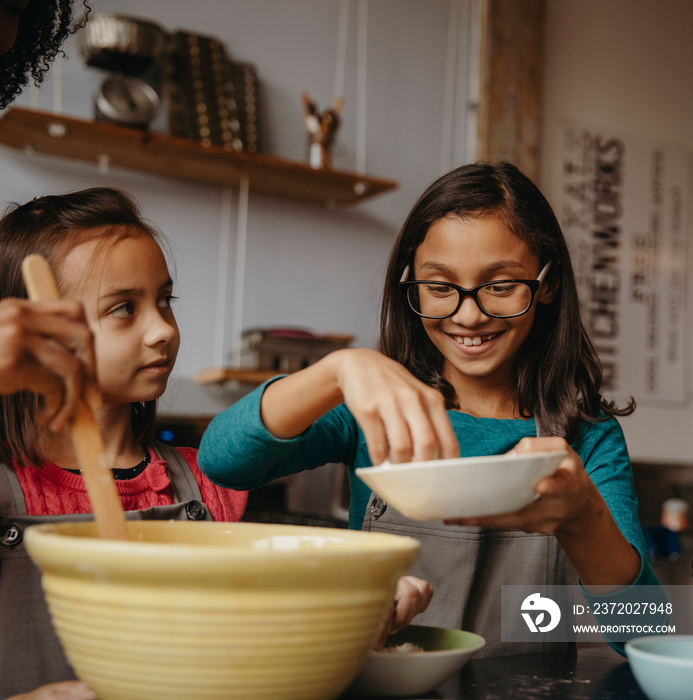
x=30 y=653
x=467 y=567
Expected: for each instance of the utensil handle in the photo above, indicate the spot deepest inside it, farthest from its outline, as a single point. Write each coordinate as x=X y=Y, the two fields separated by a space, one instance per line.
x=86 y=437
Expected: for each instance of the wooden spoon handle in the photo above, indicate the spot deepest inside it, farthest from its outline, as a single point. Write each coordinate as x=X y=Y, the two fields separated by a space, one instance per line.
x=86 y=438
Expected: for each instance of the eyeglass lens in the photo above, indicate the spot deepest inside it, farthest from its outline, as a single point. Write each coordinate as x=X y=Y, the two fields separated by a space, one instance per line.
x=439 y=300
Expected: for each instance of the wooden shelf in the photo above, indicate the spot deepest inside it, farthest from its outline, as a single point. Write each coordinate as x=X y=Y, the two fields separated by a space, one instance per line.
x=109 y=145
x=220 y=375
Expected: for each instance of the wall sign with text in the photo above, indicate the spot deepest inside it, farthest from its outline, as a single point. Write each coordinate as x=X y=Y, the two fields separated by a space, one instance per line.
x=623 y=211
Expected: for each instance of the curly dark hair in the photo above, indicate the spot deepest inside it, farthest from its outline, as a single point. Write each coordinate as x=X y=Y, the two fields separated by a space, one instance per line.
x=44 y=26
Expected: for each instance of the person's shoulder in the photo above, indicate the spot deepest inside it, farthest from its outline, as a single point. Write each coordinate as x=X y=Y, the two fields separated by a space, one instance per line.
x=188 y=453
x=161 y=450
x=225 y=504
x=603 y=423
x=603 y=431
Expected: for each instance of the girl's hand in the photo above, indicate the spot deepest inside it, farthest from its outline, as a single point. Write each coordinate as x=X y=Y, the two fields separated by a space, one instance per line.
x=47 y=348
x=402 y=418
x=411 y=598
x=571 y=508
x=563 y=498
x=68 y=690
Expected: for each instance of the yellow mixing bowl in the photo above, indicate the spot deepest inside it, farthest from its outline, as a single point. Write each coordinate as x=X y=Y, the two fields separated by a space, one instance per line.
x=218 y=610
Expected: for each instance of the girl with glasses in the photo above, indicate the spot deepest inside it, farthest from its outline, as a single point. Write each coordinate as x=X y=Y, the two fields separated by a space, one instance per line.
x=482 y=351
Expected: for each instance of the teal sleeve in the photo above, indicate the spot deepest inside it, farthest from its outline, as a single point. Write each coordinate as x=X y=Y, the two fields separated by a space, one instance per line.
x=604 y=453
x=645 y=589
x=238 y=452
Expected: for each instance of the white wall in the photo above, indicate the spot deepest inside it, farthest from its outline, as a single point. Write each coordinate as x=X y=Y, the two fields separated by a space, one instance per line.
x=625 y=65
x=306 y=266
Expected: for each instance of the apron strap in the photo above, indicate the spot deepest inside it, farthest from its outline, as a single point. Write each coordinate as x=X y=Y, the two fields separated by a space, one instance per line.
x=11 y=495
x=183 y=482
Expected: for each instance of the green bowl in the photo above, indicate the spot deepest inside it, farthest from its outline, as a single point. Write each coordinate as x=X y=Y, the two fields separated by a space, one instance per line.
x=399 y=674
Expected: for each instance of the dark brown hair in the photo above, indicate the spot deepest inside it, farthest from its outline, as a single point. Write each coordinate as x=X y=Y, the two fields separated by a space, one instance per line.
x=558 y=374
x=52 y=226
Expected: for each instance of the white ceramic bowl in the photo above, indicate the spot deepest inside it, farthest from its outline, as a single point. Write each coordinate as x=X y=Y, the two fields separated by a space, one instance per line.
x=218 y=611
x=663 y=665
x=461 y=488
x=399 y=674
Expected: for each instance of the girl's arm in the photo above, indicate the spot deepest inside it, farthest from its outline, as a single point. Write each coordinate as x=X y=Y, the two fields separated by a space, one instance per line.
x=290 y=425
x=401 y=418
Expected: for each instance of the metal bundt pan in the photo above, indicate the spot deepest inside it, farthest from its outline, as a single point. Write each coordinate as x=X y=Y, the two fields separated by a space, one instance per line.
x=122 y=44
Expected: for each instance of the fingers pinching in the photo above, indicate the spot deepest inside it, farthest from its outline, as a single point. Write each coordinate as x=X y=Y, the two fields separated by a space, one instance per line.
x=401 y=417
x=412 y=597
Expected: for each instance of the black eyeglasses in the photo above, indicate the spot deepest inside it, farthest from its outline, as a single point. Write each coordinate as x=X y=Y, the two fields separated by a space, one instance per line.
x=497 y=299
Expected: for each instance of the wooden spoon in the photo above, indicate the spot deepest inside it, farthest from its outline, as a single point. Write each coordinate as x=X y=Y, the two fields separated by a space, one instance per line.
x=86 y=438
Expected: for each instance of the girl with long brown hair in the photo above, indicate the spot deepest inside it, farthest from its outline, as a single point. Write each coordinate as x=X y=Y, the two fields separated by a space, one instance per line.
x=482 y=352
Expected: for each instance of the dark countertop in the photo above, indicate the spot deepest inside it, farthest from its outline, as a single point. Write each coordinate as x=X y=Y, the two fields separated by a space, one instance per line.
x=591 y=673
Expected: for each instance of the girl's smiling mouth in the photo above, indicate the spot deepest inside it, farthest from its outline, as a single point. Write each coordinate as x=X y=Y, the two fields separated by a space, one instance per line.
x=474 y=340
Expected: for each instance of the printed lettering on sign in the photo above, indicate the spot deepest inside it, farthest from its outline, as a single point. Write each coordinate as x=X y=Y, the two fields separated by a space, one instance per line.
x=623 y=214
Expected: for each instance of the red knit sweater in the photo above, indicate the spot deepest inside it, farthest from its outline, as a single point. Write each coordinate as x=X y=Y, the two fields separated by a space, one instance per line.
x=50 y=490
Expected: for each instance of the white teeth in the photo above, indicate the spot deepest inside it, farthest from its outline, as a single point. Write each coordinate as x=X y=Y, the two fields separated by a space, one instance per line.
x=476 y=340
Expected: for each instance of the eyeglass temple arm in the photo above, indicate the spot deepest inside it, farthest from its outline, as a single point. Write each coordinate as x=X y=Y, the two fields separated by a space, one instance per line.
x=542 y=274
